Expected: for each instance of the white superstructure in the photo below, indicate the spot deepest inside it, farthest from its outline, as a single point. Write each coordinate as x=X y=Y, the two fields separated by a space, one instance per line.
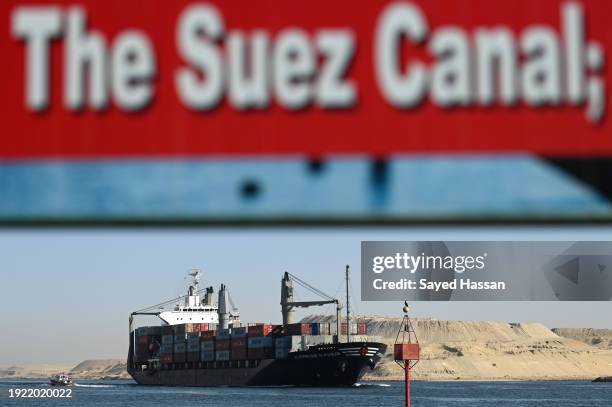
x=192 y=310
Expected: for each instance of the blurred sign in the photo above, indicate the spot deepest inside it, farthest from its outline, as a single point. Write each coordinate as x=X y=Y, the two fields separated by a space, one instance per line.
x=160 y=78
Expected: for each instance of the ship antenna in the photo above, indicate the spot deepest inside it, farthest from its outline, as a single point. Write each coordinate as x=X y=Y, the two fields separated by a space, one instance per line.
x=348 y=312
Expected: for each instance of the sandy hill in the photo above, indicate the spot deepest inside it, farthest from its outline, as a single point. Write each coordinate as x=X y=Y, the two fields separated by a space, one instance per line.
x=100 y=369
x=600 y=338
x=488 y=350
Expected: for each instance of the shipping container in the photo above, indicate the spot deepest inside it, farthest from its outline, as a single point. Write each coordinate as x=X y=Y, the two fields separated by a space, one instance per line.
x=353 y=328
x=222 y=344
x=222 y=355
x=208 y=334
x=167 y=330
x=207 y=356
x=207 y=346
x=262 y=329
x=298 y=329
x=293 y=342
x=193 y=336
x=142 y=331
x=224 y=333
x=193 y=347
x=179 y=329
x=281 y=353
x=193 y=356
x=180 y=347
x=361 y=328
x=167 y=348
x=155 y=330
x=261 y=342
x=238 y=343
x=238 y=353
x=277 y=330
x=167 y=339
x=179 y=357
x=315 y=328
x=180 y=337
x=204 y=327
x=240 y=332
x=142 y=353
x=166 y=358
x=192 y=327
x=143 y=340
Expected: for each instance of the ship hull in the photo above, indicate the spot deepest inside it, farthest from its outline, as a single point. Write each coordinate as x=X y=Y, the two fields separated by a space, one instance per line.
x=324 y=365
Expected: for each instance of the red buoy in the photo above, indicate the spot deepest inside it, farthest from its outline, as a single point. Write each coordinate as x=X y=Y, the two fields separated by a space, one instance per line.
x=406 y=350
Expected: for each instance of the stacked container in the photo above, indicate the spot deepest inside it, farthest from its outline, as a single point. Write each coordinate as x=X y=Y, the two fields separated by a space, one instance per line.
x=285 y=344
x=222 y=344
x=142 y=348
x=261 y=329
x=193 y=346
x=298 y=329
x=207 y=346
x=238 y=348
x=180 y=344
x=167 y=347
x=260 y=347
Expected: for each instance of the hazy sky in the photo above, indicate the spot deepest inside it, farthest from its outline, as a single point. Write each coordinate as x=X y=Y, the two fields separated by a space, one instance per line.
x=66 y=295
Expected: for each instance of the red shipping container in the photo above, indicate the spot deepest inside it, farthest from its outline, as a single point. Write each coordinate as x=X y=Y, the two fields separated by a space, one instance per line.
x=222 y=344
x=179 y=357
x=167 y=358
x=203 y=327
x=261 y=329
x=361 y=328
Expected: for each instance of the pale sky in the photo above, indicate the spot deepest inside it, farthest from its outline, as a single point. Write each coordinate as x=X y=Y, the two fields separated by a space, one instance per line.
x=66 y=293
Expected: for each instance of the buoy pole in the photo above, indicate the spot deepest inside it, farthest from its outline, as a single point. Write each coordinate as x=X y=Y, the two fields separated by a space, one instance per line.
x=406 y=350
x=407 y=375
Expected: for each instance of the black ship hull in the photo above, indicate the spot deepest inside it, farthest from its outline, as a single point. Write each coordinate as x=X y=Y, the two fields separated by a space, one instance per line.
x=341 y=364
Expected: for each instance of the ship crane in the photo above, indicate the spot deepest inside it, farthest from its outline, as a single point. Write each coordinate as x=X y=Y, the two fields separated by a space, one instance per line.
x=287 y=303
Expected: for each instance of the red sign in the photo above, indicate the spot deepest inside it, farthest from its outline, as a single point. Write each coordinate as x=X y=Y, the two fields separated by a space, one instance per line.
x=271 y=77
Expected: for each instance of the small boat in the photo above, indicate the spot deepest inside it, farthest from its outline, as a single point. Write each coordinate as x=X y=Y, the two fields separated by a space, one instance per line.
x=61 y=379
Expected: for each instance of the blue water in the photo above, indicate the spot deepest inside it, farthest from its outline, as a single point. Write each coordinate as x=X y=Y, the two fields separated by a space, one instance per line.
x=424 y=394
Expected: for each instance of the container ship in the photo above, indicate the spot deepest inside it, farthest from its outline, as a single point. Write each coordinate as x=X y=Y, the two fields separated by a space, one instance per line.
x=203 y=343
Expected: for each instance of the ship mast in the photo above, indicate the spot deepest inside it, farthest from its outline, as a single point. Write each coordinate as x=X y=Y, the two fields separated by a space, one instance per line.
x=348 y=308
